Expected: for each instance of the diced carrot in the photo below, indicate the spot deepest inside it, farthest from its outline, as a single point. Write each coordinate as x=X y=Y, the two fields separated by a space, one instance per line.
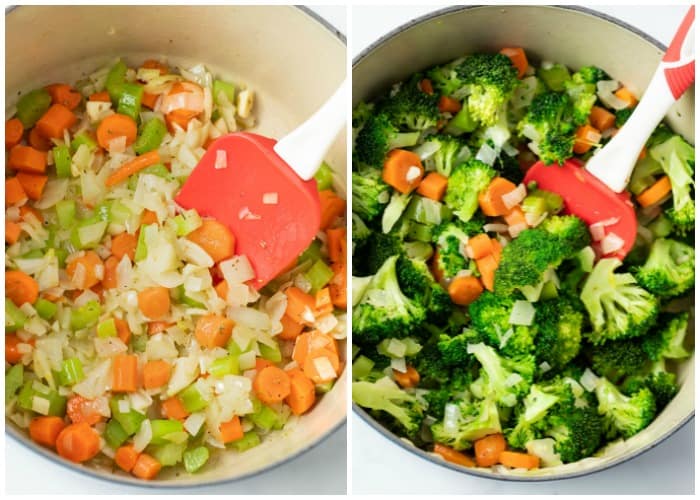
x=301 y=348
x=452 y=455
x=178 y=118
x=64 y=94
x=290 y=328
x=215 y=238
x=25 y=210
x=655 y=193
x=55 y=121
x=155 y=327
x=146 y=467
x=156 y=373
x=271 y=385
x=20 y=288
x=12 y=352
x=488 y=448
x=222 y=289
x=78 y=442
x=496 y=250
x=38 y=141
x=261 y=363
x=601 y=118
x=173 y=408
x=337 y=244
x=116 y=125
x=232 y=430
x=213 y=330
x=100 y=97
x=12 y=232
x=80 y=409
x=448 y=105
x=33 y=184
x=426 y=86
x=338 y=285
x=407 y=379
x=124 y=244
x=149 y=100
x=491 y=200
x=125 y=457
x=123 y=330
x=519 y=460
x=131 y=167
x=403 y=170
x=27 y=159
x=586 y=138
x=433 y=186
x=332 y=207
x=464 y=290
x=302 y=392
x=45 y=430
x=89 y=262
x=310 y=368
x=153 y=64
x=14 y=130
x=300 y=305
x=479 y=246
x=125 y=373
x=517 y=57
x=626 y=95
x=154 y=302
x=515 y=216
x=148 y=217
x=324 y=305
x=14 y=192
x=487 y=268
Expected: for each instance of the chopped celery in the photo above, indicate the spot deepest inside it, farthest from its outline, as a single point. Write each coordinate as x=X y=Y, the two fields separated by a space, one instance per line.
x=227 y=365
x=141 y=247
x=270 y=353
x=661 y=226
x=101 y=211
x=324 y=177
x=195 y=458
x=265 y=418
x=115 y=80
x=362 y=367
x=107 y=328
x=62 y=160
x=88 y=233
x=130 y=421
x=160 y=429
x=32 y=105
x=312 y=252
x=130 y=100
x=554 y=76
x=184 y=299
x=461 y=123
x=14 y=378
x=249 y=440
x=427 y=211
x=227 y=88
x=80 y=139
x=418 y=250
x=233 y=347
x=14 y=317
x=65 y=211
x=192 y=399
x=114 y=434
x=534 y=205
x=138 y=343
x=168 y=454
x=33 y=390
x=71 y=372
x=419 y=232
x=85 y=316
x=119 y=213
x=185 y=223
x=61 y=255
x=150 y=137
x=318 y=275
x=324 y=387
x=33 y=254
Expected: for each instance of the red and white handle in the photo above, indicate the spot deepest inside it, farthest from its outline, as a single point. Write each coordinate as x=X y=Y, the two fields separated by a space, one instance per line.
x=614 y=163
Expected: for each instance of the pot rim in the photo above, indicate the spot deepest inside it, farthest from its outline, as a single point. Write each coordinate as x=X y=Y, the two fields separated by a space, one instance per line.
x=417 y=451
x=20 y=438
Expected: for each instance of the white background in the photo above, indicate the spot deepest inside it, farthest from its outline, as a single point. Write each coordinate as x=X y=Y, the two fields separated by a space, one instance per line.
x=380 y=467
x=319 y=471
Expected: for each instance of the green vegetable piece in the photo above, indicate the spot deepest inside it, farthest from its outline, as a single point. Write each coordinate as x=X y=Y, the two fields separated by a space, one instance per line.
x=324 y=177
x=361 y=367
x=31 y=106
x=14 y=378
x=62 y=161
x=195 y=458
x=420 y=232
x=161 y=428
x=270 y=353
x=107 y=328
x=115 y=80
x=141 y=248
x=159 y=170
x=138 y=343
x=129 y=103
x=71 y=372
x=32 y=389
x=227 y=365
x=462 y=122
x=318 y=275
x=312 y=252
x=82 y=139
x=184 y=299
x=168 y=454
x=227 y=88
x=114 y=434
x=119 y=213
x=554 y=76
x=130 y=421
x=192 y=399
x=249 y=440
x=265 y=418
x=14 y=317
x=186 y=222
x=85 y=316
x=65 y=211
x=151 y=136
x=88 y=233
x=325 y=387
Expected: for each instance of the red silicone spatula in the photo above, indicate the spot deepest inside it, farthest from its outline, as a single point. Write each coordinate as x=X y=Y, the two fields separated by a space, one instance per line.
x=264 y=190
x=595 y=192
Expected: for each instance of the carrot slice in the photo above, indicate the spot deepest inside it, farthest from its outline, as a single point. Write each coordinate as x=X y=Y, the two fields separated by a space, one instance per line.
x=80 y=409
x=324 y=305
x=100 y=97
x=14 y=192
x=124 y=244
x=149 y=100
x=479 y=246
x=655 y=193
x=337 y=244
x=213 y=330
x=310 y=367
x=64 y=94
x=25 y=210
x=173 y=408
x=146 y=467
x=496 y=250
x=332 y=207
x=12 y=232
x=261 y=363
x=448 y=105
x=426 y=86
x=78 y=442
x=14 y=130
x=109 y=279
x=515 y=216
x=131 y=167
x=38 y=141
x=487 y=268
x=232 y=430
x=215 y=238
x=338 y=285
x=21 y=288
x=116 y=125
x=271 y=385
x=55 y=121
x=125 y=373
x=156 y=373
x=403 y=170
x=452 y=455
x=302 y=392
x=222 y=290
x=433 y=186
x=518 y=460
x=586 y=138
x=123 y=331
x=290 y=328
x=153 y=64
x=601 y=118
x=33 y=184
x=626 y=95
x=464 y=290
x=45 y=430
x=89 y=262
x=12 y=352
x=488 y=449
x=300 y=305
x=407 y=379
x=491 y=200
x=125 y=457
x=517 y=57
x=27 y=159
x=155 y=327
x=154 y=302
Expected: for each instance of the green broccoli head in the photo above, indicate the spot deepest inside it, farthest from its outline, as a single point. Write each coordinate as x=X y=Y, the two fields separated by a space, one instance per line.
x=360 y=231
x=617 y=306
x=384 y=311
x=467 y=421
x=590 y=74
x=507 y=379
x=418 y=283
x=434 y=373
x=491 y=81
x=572 y=233
x=450 y=238
x=677 y=159
x=577 y=432
x=667 y=338
x=446 y=157
x=624 y=415
x=669 y=270
x=581 y=89
x=660 y=382
x=436 y=399
x=559 y=322
x=377 y=137
x=445 y=78
x=464 y=185
x=454 y=349
x=622 y=115
x=549 y=123
x=370 y=193
x=408 y=106
x=618 y=358
x=374 y=252
x=361 y=113
x=385 y=396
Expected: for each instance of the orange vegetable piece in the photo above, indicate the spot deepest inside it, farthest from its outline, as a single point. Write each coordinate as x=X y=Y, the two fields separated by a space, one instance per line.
x=496 y=249
x=338 y=285
x=12 y=232
x=290 y=328
x=64 y=94
x=464 y=290
x=519 y=460
x=324 y=305
x=20 y=287
x=449 y=105
x=479 y=246
x=488 y=449
x=491 y=200
x=179 y=118
x=586 y=138
x=408 y=379
x=302 y=392
x=125 y=457
x=12 y=353
x=271 y=385
x=78 y=442
x=156 y=373
x=131 y=167
x=149 y=100
x=124 y=244
x=146 y=467
x=433 y=186
x=27 y=159
x=222 y=289
x=14 y=192
x=154 y=302
x=452 y=455
x=45 y=430
x=158 y=326
x=232 y=430
x=38 y=141
x=515 y=216
x=337 y=244
x=14 y=130
x=100 y=97
x=33 y=184
x=397 y=167
x=116 y=125
x=55 y=121
x=25 y=210
x=80 y=409
x=125 y=373
x=517 y=57
x=261 y=363
x=332 y=207
x=487 y=268
x=148 y=217
x=215 y=238
x=309 y=366
x=655 y=193
x=109 y=278
x=601 y=118
x=426 y=86
x=123 y=331
x=300 y=305
x=301 y=348
x=626 y=95
x=90 y=260
x=153 y=64
x=173 y=408
x=213 y=330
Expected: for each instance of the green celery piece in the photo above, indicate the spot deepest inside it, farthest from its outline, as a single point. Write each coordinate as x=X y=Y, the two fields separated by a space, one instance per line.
x=270 y=353
x=192 y=399
x=419 y=232
x=130 y=421
x=14 y=317
x=65 y=211
x=168 y=454
x=249 y=440
x=265 y=418
x=184 y=299
x=325 y=387
x=61 y=255
x=554 y=77
x=62 y=161
x=227 y=365
x=227 y=88
x=361 y=367
x=80 y=139
x=141 y=247
x=419 y=208
x=130 y=100
x=114 y=434
x=233 y=347
x=462 y=122
x=85 y=316
x=535 y=205
x=14 y=378
x=71 y=372
x=163 y=427
x=418 y=250
x=312 y=252
x=319 y=274
x=57 y=403
x=115 y=80
x=119 y=213
x=102 y=211
x=138 y=343
x=107 y=328
x=88 y=233
x=195 y=458
x=33 y=254
x=324 y=177
x=151 y=136
x=31 y=106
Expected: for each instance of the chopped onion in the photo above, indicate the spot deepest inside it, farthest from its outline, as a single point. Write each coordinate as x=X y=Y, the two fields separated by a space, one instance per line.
x=124 y=406
x=398 y=364
x=589 y=380
x=246 y=361
x=515 y=196
x=324 y=368
x=426 y=150
x=117 y=145
x=40 y=405
x=534 y=220
x=85 y=297
x=544 y=449
x=487 y=154
x=451 y=418
x=79 y=276
x=194 y=422
x=608 y=132
x=523 y=313
x=326 y=323
x=109 y=346
x=237 y=269
x=531 y=132
x=516 y=229
x=396 y=348
x=495 y=228
x=509 y=149
x=270 y=198
x=597 y=231
x=545 y=367
x=143 y=436
x=54 y=191
x=605 y=92
x=513 y=379
x=221 y=161
x=611 y=243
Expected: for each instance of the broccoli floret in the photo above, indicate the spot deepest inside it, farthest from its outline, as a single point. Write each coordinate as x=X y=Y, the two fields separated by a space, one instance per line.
x=450 y=238
x=669 y=270
x=617 y=358
x=464 y=185
x=622 y=115
x=660 y=382
x=617 y=306
x=434 y=373
x=361 y=114
x=370 y=193
x=384 y=395
x=571 y=232
x=475 y=419
x=377 y=137
x=384 y=311
x=373 y=254
x=505 y=379
x=417 y=282
x=360 y=231
x=447 y=155
x=410 y=107
x=577 y=432
x=454 y=349
x=661 y=134
x=490 y=315
x=559 y=322
x=581 y=89
x=445 y=78
x=666 y=342
x=677 y=159
x=491 y=80
x=436 y=399
x=624 y=415
x=549 y=124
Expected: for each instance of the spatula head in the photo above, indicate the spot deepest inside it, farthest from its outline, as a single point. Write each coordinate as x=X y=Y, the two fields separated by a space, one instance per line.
x=271 y=235
x=588 y=198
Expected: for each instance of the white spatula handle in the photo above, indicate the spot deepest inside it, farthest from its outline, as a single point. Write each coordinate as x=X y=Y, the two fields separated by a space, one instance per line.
x=614 y=163
x=305 y=147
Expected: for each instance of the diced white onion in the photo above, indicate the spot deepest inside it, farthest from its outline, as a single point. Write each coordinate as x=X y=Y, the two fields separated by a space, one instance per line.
x=531 y=132
x=194 y=422
x=451 y=418
x=516 y=229
x=545 y=367
x=534 y=220
x=86 y=296
x=597 y=231
x=109 y=346
x=495 y=228
x=515 y=196
x=324 y=367
x=426 y=150
x=54 y=191
x=40 y=405
x=124 y=406
x=606 y=93
x=589 y=380
x=79 y=276
x=513 y=379
x=544 y=449
x=326 y=323
x=487 y=154
x=398 y=364
x=412 y=173
x=117 y=145
x=523 y=313
x=395 y=348
x=246 y=361
x=143 y=436
x=611 y=243
x=270 y=198
x=221 y=161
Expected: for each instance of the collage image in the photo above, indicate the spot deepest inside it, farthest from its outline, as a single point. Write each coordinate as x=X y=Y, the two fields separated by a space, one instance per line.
x=349 y=249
